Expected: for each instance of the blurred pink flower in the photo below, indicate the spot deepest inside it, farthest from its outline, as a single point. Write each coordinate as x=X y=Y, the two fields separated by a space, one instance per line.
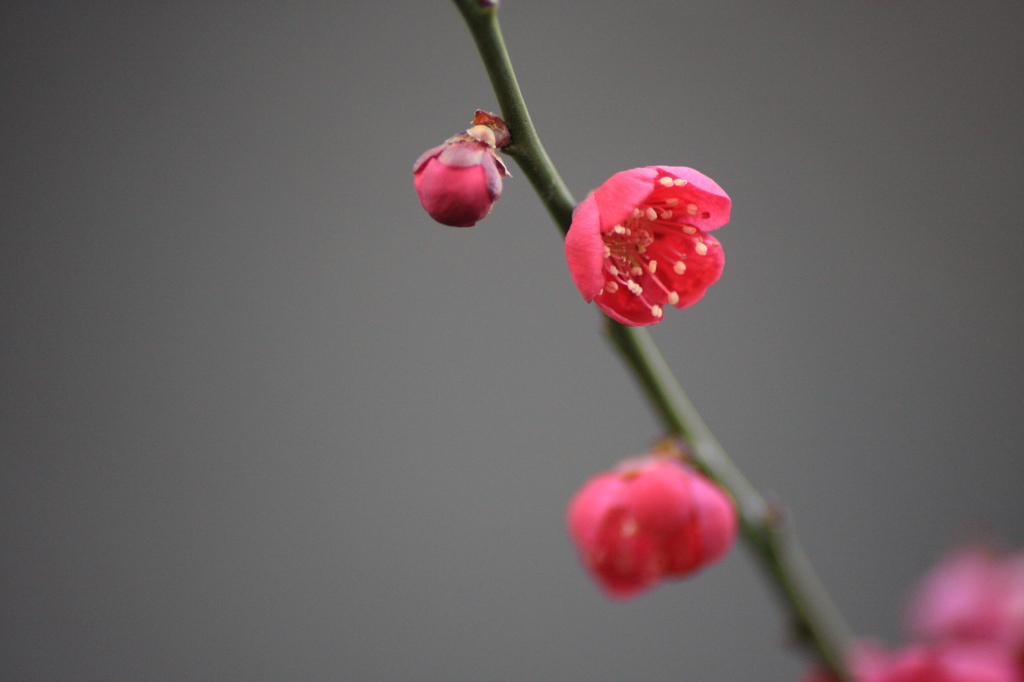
x=968 y=617
x=928 y=663
x=973 y=595
x=938 y=663
x=649 y=518
x=640 y=241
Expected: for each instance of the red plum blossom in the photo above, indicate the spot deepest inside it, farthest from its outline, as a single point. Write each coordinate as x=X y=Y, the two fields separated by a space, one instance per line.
x=640 y=241
x=650 y=518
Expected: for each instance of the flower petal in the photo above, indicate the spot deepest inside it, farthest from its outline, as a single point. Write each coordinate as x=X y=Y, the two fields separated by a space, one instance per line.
x=492 y=174
x=453 y=195
x=628 y=562
x=701 y=202
x=584 y=249
x=624 y=307
x=623 y=192
x=660 y=496
x=963 y=597
x=463 y=154
x=717 y=516
x=687 y=265
x=425 y=156
x=600 y=494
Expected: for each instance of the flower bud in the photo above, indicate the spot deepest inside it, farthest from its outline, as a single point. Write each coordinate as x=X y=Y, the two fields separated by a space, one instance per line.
x=459 y=181
x=650 y=518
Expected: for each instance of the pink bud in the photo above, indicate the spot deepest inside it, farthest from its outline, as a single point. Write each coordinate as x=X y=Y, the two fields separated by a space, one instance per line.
x=649 y=518
x=459 y=181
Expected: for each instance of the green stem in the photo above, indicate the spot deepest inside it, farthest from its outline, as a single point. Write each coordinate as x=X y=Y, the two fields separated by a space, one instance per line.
x=765 y=528
x=814 y=619
x=526 y=147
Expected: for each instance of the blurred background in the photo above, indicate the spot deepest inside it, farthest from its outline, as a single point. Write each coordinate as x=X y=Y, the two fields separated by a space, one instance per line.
x=262 y=419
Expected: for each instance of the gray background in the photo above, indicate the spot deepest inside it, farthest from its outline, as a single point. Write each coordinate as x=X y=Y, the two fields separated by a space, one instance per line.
x=263 y=420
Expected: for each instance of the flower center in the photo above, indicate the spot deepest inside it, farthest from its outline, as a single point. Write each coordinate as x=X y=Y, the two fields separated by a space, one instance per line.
x=632 y=251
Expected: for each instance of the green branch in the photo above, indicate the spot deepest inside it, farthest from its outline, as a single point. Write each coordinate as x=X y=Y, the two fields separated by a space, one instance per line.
x=526 y=147
x=814 y=619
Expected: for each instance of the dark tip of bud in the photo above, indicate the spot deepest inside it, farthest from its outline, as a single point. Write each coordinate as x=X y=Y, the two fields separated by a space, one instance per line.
x=502 y=137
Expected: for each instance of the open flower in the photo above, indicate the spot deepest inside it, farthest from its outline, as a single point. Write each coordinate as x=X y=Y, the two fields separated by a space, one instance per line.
x=650 y=518
x=640 y=242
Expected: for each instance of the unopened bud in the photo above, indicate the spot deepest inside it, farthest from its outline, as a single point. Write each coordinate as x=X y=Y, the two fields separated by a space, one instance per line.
x=459 y=181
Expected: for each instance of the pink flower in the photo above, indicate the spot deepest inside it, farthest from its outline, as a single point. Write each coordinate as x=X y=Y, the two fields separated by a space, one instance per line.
x=640 y=241
x=459 y=181
x=923 y=663
x=649 y=518
x=969 y=615
x=929 y=663
x=974 y=596
x=967 y=597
